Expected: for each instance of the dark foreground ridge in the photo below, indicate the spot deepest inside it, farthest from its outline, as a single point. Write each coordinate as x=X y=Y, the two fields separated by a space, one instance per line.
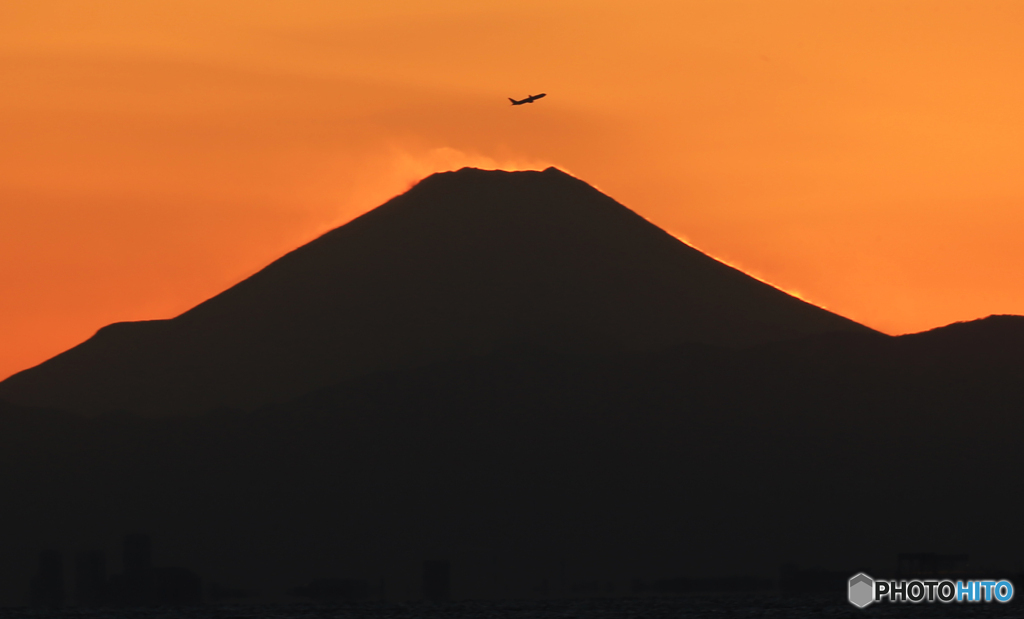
x=533 y=474
x=462 y=264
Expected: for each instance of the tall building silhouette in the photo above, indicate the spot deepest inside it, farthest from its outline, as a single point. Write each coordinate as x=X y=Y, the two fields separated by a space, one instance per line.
x=134 y=587
x=138 y=555
x=436 y=581
x=91 y=577
x=48 y=582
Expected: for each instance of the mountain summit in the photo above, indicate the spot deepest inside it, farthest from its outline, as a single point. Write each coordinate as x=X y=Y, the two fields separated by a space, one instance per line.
x=462 y=264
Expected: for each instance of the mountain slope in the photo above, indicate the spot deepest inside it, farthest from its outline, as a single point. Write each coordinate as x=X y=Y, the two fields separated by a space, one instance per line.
x=463 y=263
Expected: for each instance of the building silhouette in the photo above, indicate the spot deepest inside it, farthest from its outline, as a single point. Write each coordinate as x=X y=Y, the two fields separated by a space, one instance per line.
x=91 y=578
x=141 y=584
x=930 y=564
x=138 y=554
x=334 y=590
x=220 y=593
x=48 y=582
x=176 y=586
x=436 y=581
x=135 y=586
x=794 y=580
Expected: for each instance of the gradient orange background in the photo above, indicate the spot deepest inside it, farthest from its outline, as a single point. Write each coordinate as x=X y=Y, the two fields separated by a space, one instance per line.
x=865 y=154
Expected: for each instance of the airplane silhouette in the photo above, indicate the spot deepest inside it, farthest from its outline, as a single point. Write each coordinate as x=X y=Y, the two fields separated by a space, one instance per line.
x=529 y=99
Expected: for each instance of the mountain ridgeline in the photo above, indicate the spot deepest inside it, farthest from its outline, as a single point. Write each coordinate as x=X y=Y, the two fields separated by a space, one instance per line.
x=512 y=374
x=462 y=264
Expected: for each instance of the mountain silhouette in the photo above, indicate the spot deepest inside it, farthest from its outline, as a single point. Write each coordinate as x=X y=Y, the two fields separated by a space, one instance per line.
x=512 y=375
x=463 y=264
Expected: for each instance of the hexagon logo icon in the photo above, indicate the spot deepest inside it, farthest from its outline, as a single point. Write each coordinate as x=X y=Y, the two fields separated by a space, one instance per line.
x=862 y=590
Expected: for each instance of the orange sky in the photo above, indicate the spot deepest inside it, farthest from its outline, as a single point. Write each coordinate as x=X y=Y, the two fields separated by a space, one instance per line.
x=868 y=155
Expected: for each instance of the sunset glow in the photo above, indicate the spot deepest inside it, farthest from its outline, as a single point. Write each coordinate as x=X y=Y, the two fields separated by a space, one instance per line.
x=868 y=154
